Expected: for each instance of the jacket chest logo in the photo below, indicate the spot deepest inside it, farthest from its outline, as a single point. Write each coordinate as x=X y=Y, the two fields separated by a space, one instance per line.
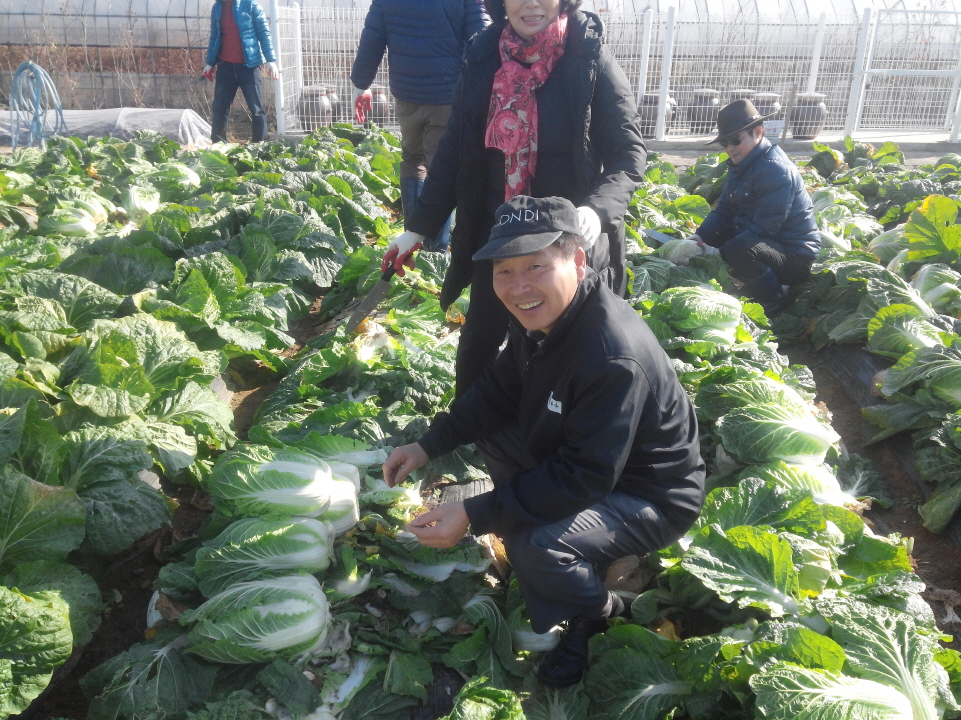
x=554 y=405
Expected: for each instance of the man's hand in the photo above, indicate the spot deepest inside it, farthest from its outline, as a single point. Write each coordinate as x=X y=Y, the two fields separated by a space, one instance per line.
x=589 y=225
x=402 y=462
x=363 y=103
x=273 y=70
x=208 y=72
x=400 y=250
x=450 y=523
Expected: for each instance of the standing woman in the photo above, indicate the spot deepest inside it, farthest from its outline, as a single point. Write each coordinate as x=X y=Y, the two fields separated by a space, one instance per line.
x=541 y=109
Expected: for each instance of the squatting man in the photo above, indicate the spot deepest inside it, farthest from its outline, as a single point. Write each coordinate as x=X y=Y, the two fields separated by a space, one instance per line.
x=763 y=223
x=589 y=438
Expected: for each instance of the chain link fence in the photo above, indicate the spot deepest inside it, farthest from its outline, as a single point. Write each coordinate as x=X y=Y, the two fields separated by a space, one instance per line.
x=885 y=70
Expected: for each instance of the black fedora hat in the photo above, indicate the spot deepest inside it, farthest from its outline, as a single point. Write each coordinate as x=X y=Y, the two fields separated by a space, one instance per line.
x=736 y=117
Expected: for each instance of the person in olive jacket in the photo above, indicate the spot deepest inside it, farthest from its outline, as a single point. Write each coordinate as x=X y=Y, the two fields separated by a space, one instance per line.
x=589 y=438
x=541 y=109
x=763 y=223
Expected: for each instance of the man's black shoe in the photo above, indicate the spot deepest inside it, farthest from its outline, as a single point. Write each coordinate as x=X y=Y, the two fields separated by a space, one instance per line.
x=565 y=664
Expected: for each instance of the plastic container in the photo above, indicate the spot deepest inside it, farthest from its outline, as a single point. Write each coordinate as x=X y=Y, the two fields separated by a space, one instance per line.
x=702 y=112
x=647 y=113
x=314 y=107
x=808 y=116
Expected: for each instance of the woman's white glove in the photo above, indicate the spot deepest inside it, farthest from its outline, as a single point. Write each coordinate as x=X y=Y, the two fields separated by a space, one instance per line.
x=400 y=250
x=273 y=70
x=705 y=248
x=589 y=225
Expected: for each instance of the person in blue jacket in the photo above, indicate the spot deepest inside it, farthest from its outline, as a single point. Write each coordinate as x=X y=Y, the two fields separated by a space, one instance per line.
x=425 y=41
x=763 y=223
x=239 y=45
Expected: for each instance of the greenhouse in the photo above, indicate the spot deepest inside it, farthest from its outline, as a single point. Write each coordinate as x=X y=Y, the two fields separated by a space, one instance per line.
x=875 y=66
x=209 y=379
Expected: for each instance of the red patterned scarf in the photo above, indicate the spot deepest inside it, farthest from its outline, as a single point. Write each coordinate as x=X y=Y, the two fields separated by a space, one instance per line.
x=512 y=120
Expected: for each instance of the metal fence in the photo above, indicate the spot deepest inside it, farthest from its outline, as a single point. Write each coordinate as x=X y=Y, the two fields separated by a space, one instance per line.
x=890 y=70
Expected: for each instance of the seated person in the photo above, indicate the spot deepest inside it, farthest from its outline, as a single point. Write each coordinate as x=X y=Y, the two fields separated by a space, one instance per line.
x=589 y=438
x=764 y=220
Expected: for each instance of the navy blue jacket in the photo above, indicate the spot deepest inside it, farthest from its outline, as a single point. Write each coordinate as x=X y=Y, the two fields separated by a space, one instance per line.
x=425 y=42
x=764 y=198
x=254 y=33
x=598 y=406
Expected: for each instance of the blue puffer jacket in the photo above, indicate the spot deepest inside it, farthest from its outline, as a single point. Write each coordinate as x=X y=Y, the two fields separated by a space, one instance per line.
x=254 y=32
x=425 y=42
x=764 y=198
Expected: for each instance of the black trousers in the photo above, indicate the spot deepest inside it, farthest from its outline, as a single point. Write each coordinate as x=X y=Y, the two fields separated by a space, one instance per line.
x=750 y=257
x=560 y=567
x=231 y=76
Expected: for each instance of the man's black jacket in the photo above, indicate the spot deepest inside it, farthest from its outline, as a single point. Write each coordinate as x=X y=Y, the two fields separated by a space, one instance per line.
x=764 y=198
x=589 y=151
x=598 y=405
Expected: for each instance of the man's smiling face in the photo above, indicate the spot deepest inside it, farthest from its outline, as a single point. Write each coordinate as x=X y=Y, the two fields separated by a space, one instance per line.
x=537 y=288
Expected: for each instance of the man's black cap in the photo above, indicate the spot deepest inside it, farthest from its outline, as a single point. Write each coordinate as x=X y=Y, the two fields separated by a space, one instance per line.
x=526 y=225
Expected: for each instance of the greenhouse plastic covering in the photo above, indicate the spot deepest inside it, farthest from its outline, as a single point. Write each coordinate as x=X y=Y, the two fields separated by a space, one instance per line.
x=184 y=126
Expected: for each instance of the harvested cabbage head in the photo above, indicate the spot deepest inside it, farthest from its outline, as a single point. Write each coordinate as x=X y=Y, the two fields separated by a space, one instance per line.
x=282 y=618
x=343 y=511
x=255 y=549
x=255 y=480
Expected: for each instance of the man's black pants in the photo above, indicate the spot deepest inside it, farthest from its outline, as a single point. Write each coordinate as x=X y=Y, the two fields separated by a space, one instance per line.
x=560 y=567
x=750 y=257
x=231 y=76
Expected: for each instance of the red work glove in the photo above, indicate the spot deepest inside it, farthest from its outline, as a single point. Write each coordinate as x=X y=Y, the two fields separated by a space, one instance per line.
x=209 y=72
x=363 y=104
x=400 y=252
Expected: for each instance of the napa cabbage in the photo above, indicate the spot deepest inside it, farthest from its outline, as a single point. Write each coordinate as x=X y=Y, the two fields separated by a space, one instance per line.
x=762 y=433
x=688 y=308
x=283 y=618
x=343 y=512
x=940 y=287
x=140 y=202
x=70 y=222
x=256 y=480
x=255 y=549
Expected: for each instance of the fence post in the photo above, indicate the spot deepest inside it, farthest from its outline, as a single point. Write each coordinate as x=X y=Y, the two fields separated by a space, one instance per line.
x=298 y=49
x=857 y=80
x=645 y=54
x=816 y=53
x=279 y=82
x=956 y=124
x=666 y=58
x=949 y=116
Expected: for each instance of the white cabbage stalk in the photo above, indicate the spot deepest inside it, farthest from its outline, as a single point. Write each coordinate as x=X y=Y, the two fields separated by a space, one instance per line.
x=439 y=572
x=351 y=586
x=140 y=202
x=282 y=618
x=345 y=471
x=255 y=549
x=352 y=683
x=69 y=222
x=343 y=512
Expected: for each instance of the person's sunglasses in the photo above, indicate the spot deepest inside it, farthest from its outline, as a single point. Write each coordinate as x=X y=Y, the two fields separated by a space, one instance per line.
x=734 y=140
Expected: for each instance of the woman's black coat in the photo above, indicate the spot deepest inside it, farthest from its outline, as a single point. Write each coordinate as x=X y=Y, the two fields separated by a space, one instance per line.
x=586 y=104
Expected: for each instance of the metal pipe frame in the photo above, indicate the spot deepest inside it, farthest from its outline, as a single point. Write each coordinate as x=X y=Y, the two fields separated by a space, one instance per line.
x=666 y=61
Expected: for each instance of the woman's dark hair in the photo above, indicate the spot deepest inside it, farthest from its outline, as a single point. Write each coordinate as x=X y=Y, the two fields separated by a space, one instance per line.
x=498 y=13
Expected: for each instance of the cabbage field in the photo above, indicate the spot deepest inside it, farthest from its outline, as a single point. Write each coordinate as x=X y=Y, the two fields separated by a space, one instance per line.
x=136 y=275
